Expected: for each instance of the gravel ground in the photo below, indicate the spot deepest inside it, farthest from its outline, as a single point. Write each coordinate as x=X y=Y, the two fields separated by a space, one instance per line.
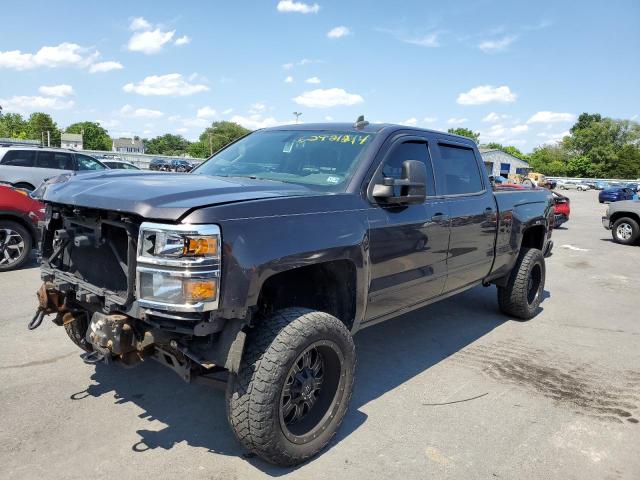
x=455 y=390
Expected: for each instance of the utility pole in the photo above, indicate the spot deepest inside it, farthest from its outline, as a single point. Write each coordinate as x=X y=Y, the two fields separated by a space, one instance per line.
x=297 y=114
x=48 y=138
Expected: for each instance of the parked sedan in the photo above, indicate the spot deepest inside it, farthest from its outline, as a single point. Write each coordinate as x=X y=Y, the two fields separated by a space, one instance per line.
x=120 y=165
x=181 y=166
x=562 y=207
x=19 y=217
x=160 y=164
x=615 y=194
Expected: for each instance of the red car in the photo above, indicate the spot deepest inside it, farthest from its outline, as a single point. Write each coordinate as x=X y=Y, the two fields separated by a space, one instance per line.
x=562 y=207
x=19 y=217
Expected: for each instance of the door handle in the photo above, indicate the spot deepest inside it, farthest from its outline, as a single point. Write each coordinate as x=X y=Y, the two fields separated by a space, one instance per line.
x=439 y=217
x=488 y=211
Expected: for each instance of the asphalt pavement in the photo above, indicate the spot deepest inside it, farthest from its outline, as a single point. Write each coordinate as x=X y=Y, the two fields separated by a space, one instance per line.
x=455 y=390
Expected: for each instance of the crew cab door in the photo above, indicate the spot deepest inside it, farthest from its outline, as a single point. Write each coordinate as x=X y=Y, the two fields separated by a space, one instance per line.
x=460 y=180
x=407 y=243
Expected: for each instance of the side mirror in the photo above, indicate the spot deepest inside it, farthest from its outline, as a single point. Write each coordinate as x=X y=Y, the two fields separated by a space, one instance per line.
x=410 y=189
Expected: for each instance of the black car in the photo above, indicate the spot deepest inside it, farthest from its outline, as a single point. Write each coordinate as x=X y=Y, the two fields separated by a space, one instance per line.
x=160 y=164
x=256 y=269
x=181 y=166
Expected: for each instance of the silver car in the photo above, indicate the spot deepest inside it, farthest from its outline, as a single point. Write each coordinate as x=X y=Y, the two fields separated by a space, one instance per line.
x=28 y=167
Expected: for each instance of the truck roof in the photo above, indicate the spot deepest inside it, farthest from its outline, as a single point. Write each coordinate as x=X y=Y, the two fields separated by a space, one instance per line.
x=369 y=128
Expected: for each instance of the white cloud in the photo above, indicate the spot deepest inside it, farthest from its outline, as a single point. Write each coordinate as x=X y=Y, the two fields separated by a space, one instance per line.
x=430 y=119
x=519 y=128
x=495 y=117
x=57 y=90
x=410 y=122
x=184 y=40
x=227 y=111
x=189 y=122
x=457 y=121
x=23 y=103
x=170 y=84
x=299 y=63
x=328 y=118
x=149 y=41
x=257 y=108
x=139 y=23
x=499 y=45
x=486 y=94
x=553 y=138
x=330 y=97
x=297 y=7
x=109 y=123
x=129 y=111
x=182 y=130
x=551 y=117
x=206 y=112
x=430 y=40
x=289 y=79
x=105 y=66
x=63 y=55
x=253 y=122
x=339 y=32
x=314 y=80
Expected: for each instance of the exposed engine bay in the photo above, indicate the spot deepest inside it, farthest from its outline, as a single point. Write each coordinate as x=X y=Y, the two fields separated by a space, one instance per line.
x=92 y=269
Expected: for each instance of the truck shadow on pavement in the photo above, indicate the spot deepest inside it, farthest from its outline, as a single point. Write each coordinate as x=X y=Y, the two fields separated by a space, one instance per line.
x=389 y=354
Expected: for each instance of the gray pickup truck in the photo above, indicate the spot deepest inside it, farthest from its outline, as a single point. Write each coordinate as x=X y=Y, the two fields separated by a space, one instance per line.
x=623 y=219
x=257 y=268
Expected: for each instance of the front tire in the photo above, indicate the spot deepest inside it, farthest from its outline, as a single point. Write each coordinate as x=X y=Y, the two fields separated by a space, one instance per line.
x=77 y=331
x=293 y=387
x=523 y=292
x=626 y=231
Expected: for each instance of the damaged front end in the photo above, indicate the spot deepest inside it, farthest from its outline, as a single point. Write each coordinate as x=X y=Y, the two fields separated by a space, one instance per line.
x=127 y=290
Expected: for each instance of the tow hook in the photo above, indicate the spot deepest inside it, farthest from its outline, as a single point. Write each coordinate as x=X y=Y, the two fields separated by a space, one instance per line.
x=91 y=358
x=49 y=301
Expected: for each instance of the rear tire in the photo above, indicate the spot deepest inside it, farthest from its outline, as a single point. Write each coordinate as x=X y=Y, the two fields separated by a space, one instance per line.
x=626 y=231
x=522 y=294
x=293 y=387
x=16 y=243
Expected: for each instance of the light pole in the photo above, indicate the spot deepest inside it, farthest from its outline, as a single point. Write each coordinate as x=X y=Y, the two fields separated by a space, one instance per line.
x=297 y=114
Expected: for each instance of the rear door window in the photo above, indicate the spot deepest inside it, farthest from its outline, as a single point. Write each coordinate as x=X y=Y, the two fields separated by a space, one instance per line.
x=457 y=171
x=54 y=160
x=19 y=158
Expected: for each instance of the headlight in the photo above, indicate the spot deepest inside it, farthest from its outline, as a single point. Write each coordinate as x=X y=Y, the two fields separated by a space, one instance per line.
x=178 y=267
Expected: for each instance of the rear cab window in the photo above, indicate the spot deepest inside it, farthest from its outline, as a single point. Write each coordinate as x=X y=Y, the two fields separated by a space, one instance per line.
x=456 y=171
x=54 y=160
x=19 y=158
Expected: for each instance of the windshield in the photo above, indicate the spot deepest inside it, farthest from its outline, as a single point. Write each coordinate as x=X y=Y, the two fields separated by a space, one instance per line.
x=323 y=160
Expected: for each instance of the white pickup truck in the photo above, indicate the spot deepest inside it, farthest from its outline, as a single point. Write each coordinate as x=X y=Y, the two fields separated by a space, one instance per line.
x=28 y=167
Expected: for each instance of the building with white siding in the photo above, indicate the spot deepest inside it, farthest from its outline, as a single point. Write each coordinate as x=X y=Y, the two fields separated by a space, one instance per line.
x=499 y=163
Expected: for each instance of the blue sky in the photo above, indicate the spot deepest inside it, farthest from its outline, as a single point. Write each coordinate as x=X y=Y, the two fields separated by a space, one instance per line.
x=518 y=72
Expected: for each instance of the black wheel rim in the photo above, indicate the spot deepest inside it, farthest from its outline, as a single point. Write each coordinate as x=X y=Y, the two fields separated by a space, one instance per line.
x=534 y=284
x=311 y=392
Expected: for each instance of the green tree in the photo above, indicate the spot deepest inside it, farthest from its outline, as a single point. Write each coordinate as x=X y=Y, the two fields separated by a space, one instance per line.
x=12 y=125
x=509 y=149
x=39 y=124
x=466 y=132
x=215 y=137
x=580 y=167
x=167 y=144
x=549 y=160
x=94 y=136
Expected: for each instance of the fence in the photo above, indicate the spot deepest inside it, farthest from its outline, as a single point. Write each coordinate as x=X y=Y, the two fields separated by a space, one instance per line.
x=140 y=160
